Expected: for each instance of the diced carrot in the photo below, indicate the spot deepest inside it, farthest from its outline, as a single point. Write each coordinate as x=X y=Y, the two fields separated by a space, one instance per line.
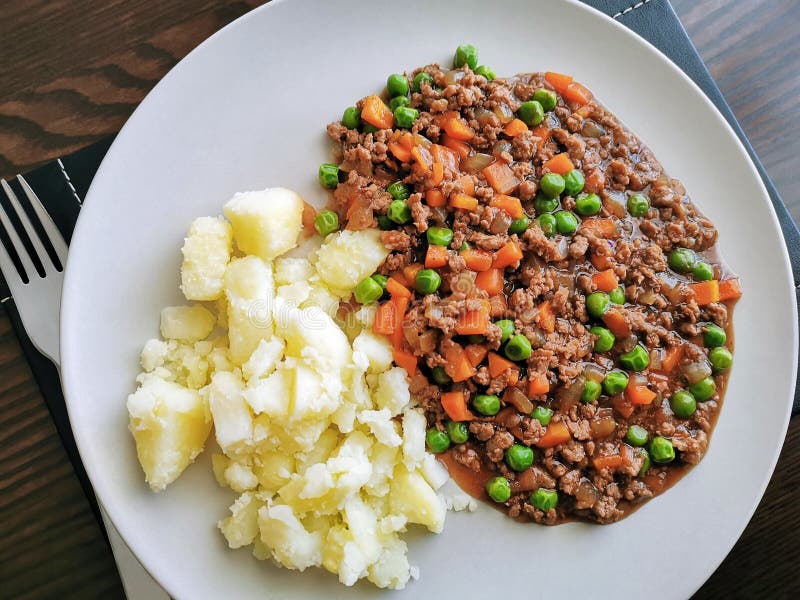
x=605 y=281
x=497 y=306
x=394 y=288
x=437 y=174
x=509 y=254
x=560 y=164
x=671 y=358
x=384 y=319
x=406 y=360
x=410 y=273
x=614 y=461
x=538 y=385
x=556 y=433
x=400 y=306
x=467 y=185
x=422 y=157
x=595 y=181
x=600 y=262
x=436 y=257
x=730 y=289
x=400 y=153
x=604 y=228
x=448 y=157
x=509 y=204
x=499 y=365
x=456 y=128
x=435 y=198
x=474 y=322
x=407 y=140
x=455 y=405
x=542 y=132
x=515 y=127
x=706 y=292
x=457 y=365
x=513 y=377
x=501 y=177
x=616 y=322
x=639 y=394
x=546 y=318
x=577 y=93
x=463 y=201
x=490 y=281
x=476 y=353
x=461 y=148
x=376 y=113
x=477 y=260
x=558 y=81
x=623 y=406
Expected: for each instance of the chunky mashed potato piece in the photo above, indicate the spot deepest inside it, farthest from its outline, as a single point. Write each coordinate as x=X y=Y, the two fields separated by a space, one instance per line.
x=319 y=437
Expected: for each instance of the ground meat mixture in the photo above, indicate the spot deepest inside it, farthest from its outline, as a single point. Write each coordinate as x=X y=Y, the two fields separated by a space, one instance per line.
x=555 y=296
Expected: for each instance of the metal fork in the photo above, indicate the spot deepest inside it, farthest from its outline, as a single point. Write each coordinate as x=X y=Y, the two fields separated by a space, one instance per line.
x=38 y=302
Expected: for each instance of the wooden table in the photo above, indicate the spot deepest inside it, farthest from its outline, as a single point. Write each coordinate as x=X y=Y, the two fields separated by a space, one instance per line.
x=72 y=72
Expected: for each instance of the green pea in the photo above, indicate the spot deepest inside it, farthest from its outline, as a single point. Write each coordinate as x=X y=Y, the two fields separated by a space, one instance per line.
x=476 y=338
x=368 y=291
x=399 y=212
x=543 y=415
x=703 y=271
x=385 y=222
x=587 y=205
x=440 y=376
x=573 y=182
x=661 y=450
x=546 y=98
x=457 y=431
x=326 y=222
x=369 y=128
x=597 y=304
x=721 y=359
x=398 y=190
x=646 y=462
x=427 y=281
x=703 y=389
x=397 y=85
x=466 y=54
x=713 y=335
x=551 y=184
x=547 y=222
x=638 y=205
x=636 y=435
x=404 y=116
x=682 y=404
x=531 y=112
x=486 y=72
x=438 y=441
x=463 y=246
x=421 y=78
x=351 y=117
x=591 y=391
x=605 y=339
x=398 y=101
x=544 y=499
x=542 y=204
x=566 y=222
x=486 y=404
x=507 y=327
x=615 y=382
x=518 y=226
x=681 y=260
x=499 y=489
x=617 y=295
x=329 y=175
x=636 y=360
x=517 y=348
x=381 y=280
x=439 y=236
x=519 y=457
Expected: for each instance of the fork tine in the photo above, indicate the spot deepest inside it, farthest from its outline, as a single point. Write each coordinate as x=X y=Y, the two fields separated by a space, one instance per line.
x=50 y=228
x=8 y=268
x=24 y=257
x=44 y=257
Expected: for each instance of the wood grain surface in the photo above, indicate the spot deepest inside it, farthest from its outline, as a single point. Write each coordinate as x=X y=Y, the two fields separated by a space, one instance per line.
x=74 y=70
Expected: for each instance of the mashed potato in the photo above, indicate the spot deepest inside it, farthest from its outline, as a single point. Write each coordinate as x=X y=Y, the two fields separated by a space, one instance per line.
x=319 y=437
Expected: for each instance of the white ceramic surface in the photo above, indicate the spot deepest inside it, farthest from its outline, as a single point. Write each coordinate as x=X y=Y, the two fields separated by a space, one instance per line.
x=248 y=109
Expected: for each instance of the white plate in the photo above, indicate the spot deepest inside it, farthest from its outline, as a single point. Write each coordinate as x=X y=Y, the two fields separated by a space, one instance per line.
x=247 y=110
